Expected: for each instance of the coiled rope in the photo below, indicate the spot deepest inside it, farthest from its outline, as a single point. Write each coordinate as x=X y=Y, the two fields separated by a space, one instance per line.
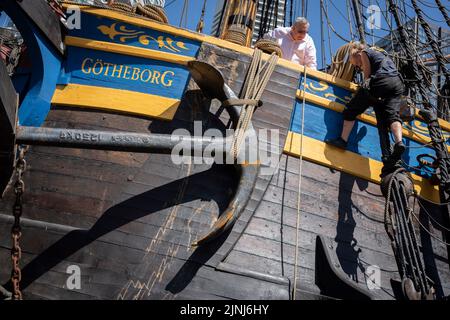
x=269 y=46
x=341 y=66
x=149 y=11
x=237 y=34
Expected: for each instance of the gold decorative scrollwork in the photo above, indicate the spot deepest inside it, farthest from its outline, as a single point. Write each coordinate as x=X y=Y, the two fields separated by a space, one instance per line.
x=322 y=88
x=124 y=34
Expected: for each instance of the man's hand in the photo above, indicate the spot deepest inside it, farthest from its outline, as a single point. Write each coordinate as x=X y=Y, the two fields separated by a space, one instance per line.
x=366 y=84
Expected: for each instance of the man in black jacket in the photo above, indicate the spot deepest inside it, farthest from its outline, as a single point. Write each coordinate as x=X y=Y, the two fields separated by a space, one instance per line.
x=383 y=89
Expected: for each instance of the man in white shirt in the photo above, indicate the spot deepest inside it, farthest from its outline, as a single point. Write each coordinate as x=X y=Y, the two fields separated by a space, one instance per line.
x=295 y=42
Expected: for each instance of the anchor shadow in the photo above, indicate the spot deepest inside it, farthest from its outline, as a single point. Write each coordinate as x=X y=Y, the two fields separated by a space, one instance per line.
x=145 y=204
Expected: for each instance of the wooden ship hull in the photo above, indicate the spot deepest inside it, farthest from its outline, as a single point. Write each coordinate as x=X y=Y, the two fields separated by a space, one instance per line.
x=309 y=227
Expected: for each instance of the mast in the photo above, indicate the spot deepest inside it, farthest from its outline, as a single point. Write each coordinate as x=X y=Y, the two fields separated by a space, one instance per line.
x=362 y=37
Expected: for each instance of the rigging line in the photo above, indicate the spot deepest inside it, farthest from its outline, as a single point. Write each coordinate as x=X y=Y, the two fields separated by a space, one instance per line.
x=372 y=26
x=262 y=29
x=408 y=17
x=328 y=29
x=422 y=64
x=275 y=13
x=322 y=36
x=339 y=11
x=436 y=50
x=359 y=23
x=183 y=13
x=431 y=201
x=429 y=232
x=404 y=10
x=201 y=22
x=297 y=229
x=349 y=20
x=291 y=13
x=272 y=6
x=406 y=233
x=427 y=4
x=404 y=49
x=443 y=11
x=170 y=3
x=409 y=54
x=431 y=217
x=332 y=29
x=389 y=22
x=426 y=15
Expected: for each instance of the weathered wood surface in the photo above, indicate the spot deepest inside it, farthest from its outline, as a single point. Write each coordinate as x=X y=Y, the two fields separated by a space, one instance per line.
x=348 y=212
x=128 y=219
x=8 y=111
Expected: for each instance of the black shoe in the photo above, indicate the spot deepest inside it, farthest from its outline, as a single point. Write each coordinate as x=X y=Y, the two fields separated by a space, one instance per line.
x=337 y=142
x=399 y=148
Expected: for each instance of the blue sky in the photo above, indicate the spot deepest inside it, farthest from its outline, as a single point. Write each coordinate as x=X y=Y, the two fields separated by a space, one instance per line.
x=337 y=14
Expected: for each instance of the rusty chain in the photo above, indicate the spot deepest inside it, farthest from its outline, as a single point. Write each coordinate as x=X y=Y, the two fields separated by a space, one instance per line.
x=16 y=231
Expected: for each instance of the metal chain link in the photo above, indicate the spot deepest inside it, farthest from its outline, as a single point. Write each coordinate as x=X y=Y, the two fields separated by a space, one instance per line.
x=16 y=231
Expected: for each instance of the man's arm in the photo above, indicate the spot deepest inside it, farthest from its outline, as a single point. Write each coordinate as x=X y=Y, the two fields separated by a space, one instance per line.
x=367 y=70
x=271 y=35
x=311 y=55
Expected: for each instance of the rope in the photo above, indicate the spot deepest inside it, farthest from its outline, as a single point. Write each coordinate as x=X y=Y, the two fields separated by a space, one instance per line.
x=153 y=12
x=341 y=67
x=123 y=7
x=322 y=37
x=255 y=83
x=184 y=13
x=149 y=11
x=436 y=50
x=297 y=228
x=269 y=46
x=404 y=240
x=432 y=219
x=201 y=22
x=237 y=34
x=443 y=11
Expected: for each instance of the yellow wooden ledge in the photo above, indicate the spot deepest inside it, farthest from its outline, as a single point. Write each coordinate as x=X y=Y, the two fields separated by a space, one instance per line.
x=127 y=50
x=352 y=163
x=338 y=107
x=129 y=102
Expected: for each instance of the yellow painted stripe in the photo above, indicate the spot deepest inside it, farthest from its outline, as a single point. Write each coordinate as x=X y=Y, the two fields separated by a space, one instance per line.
x=444 y=124
x=338 y=107
x=127 y=50
x=129 y=102
x=352 y=163
x=228 y=45
x=141 y=22
x=329 y=78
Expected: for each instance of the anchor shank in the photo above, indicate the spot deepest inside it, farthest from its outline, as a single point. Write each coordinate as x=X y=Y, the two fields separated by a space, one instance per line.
x=116 y=141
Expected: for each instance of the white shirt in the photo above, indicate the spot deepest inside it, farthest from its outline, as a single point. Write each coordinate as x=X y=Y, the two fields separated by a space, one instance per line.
x=300 y=51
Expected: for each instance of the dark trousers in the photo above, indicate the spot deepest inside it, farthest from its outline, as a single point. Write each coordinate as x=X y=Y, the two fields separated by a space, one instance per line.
x=384 y=95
